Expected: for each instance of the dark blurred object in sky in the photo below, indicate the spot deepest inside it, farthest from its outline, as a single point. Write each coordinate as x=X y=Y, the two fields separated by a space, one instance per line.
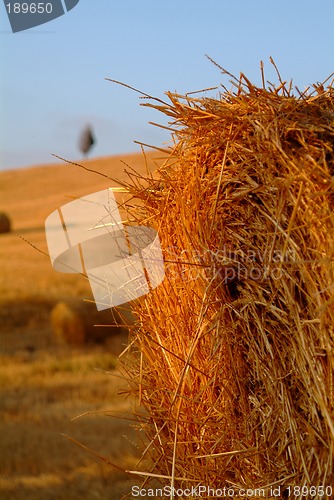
x=87 y=140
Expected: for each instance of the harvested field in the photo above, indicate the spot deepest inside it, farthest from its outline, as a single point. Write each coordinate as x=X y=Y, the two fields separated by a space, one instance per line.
x=43 y=385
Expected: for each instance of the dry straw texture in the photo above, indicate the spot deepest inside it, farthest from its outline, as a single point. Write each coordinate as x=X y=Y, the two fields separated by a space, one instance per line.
x=236 y=345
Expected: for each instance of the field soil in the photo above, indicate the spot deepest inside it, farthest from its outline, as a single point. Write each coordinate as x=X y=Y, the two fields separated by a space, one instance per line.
x=44 y=386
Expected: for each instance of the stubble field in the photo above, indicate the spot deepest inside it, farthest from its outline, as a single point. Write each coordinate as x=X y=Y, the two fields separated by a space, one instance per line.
x=44 y=386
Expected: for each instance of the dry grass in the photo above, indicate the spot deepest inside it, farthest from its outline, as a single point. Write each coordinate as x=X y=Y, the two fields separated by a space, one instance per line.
x=237 y=361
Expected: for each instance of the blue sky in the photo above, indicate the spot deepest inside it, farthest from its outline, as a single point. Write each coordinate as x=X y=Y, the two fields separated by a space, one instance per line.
x=52 y=80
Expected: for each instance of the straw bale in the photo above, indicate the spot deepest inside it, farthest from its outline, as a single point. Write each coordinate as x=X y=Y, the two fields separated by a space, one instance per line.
x=67 y=324
x=237 y=344
x=5 y=223
x=76 y=322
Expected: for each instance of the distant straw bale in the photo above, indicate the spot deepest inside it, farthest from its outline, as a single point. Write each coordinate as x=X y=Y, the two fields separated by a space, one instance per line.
x=237 y=343
x=5 y=224
x=68 y=324
x=78 y=322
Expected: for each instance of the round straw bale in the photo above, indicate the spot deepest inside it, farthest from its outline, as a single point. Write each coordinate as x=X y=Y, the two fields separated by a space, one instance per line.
x=68 y=324
x=237 y=367
x=79 y=322
x=5 y=224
